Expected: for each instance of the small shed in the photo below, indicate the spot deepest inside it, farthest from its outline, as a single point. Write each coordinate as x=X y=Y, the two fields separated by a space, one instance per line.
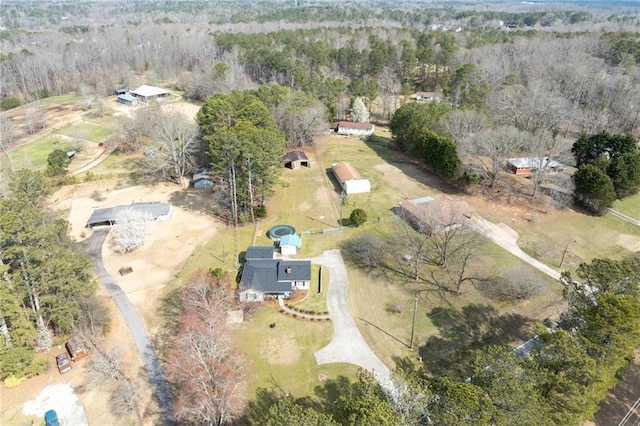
x=122 y=91
x=202 y=178
x=349 y=178
x=351 y=128
x=295 y=160
x=290 y=244
x=127 y=99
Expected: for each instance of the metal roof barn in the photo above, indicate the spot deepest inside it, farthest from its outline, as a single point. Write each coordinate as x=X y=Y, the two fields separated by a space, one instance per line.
x=109 y=215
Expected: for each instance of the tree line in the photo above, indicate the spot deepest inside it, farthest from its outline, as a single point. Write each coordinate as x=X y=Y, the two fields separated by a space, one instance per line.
x=561 y=379
x=46 y=283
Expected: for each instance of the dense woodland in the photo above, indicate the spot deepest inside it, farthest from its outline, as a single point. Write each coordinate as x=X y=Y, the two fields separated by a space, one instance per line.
x=513 y=82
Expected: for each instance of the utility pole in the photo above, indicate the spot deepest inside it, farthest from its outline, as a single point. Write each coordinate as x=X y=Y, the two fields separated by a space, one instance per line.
x=413 y=324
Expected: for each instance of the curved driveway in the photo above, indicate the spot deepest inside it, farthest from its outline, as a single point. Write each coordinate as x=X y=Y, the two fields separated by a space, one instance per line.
x=507 y=238
x=151 y=362
x=347 y=344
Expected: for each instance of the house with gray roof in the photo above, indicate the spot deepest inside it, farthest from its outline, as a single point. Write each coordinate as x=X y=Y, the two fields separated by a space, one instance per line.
x=264 y=277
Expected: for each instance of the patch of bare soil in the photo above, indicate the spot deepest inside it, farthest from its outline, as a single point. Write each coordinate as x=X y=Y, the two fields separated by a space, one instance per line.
x=94 y=399
x=169 y=245
x=56 y=115
x=621 y=399
x=281 y=350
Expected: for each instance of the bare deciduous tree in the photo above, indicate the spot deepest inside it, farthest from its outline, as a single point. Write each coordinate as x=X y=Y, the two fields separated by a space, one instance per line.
x=366 y=250
x=177 y=147
x=205 y=367
x=462 y=124
x=492 y=147
x=7 y=138
x=515 y=284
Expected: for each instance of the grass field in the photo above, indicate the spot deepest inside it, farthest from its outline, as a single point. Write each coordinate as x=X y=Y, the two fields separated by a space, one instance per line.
x=87 y=131
x=33 y=155
x=315 y=301
x=283 y=355
x=629 y=206
x=382 y=304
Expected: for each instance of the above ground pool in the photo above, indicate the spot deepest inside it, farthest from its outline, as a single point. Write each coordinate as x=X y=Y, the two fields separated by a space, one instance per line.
x=280 y=231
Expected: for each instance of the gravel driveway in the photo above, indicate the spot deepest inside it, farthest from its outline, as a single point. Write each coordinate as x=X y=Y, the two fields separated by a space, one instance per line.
x=507 y=238
x=347 y=344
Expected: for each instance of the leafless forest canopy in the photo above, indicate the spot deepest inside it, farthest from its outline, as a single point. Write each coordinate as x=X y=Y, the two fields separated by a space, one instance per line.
x=556 y=66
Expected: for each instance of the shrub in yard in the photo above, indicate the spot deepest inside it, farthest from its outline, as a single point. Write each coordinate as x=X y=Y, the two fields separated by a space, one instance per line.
x=57 y=162
x=13 y=381
x=9 y=103
x=358 y=217
x=261 y=212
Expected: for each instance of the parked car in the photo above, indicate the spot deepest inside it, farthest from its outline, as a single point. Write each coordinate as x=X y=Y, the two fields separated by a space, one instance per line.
x=64 y=365
x=77 y=348
x=51 y=418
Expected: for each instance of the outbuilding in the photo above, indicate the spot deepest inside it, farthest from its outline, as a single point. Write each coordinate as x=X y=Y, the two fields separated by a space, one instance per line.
x=295 y=160
x=127 y=99
x=351 y=128
x=202 y=178
x=349 y=179
x=147 y=93
x=109 y=215
x=528 y=165
x=434 y=216
x=290 y=244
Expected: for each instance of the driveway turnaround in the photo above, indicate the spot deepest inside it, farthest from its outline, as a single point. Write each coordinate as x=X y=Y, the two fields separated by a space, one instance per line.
x=347 y=344
x=507 y=238
x=151 y=362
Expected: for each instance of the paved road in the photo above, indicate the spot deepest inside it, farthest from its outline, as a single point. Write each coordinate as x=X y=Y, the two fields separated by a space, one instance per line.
x=507 y=238
x=347 y=344
x=145 y=348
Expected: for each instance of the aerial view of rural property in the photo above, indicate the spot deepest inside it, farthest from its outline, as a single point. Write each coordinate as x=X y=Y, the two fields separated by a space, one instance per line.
x=320 y=212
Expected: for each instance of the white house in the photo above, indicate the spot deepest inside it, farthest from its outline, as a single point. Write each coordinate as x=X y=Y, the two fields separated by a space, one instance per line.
x=351 y=128
x=349 y=178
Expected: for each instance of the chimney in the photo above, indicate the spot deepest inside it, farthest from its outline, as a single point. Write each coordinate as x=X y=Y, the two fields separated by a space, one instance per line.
x=287 y=270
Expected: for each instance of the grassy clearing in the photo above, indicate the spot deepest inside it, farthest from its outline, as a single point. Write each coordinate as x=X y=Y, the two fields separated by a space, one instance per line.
x=87 y=131
x=382 y=305
x=283 y=355
x=629 y=206
x=33 y=155
x=578 y=237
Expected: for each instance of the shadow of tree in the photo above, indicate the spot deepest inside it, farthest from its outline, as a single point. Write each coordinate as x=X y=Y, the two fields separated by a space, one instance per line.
x=326 y=396
x=199 y=201
x=463 y=331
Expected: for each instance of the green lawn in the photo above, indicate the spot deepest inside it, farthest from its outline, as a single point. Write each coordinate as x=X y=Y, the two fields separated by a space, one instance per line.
x=629 y=206
x=283 y=355
x=315 y=301
x=382 y=303
x=87 y=131
x=33 y=155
